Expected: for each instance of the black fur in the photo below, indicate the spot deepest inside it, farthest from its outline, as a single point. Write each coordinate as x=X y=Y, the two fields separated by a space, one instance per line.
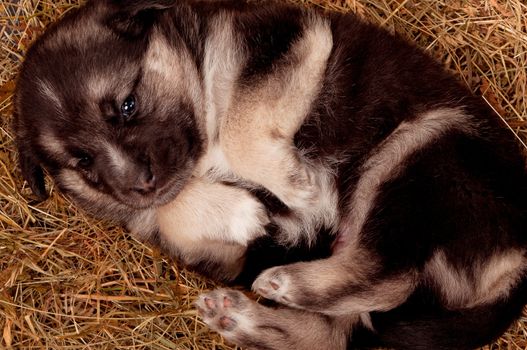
x=268 y=36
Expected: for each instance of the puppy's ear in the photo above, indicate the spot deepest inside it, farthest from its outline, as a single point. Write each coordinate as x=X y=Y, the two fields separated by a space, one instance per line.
x=133 y=19
x=32 y=172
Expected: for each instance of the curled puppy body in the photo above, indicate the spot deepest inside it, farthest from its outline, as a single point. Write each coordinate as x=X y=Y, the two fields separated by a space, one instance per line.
x=352 y=129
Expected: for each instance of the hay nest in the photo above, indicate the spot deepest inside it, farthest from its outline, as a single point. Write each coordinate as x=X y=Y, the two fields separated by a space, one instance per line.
x=69 y=281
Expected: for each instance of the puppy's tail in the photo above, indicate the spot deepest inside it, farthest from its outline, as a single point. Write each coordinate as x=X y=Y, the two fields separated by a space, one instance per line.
x=409 y=327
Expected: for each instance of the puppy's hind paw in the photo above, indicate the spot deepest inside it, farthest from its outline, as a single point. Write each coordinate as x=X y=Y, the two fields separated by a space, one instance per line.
x=274 y=284
x=227 y=312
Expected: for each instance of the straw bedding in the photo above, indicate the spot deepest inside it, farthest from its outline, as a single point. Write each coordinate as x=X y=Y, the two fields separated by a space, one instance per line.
x=70 y=282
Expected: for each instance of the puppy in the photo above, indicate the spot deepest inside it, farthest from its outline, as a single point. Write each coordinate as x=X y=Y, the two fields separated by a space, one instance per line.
x=168 y=116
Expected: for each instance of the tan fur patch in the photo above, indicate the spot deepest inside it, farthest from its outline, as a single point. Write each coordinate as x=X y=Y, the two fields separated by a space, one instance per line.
x=382 y=296
x=53 y=145
x=500 y=274
x=257 y=125
x=93 y=200
x=494 y=278
x=172 y=71
x=323 y=212
x=118 y=160
x=275 y=106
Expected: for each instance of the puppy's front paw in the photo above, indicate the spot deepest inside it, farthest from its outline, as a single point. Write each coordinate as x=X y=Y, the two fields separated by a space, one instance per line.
x=303 y=188
x=227 y=312
x=275 y=284
x=247 y=219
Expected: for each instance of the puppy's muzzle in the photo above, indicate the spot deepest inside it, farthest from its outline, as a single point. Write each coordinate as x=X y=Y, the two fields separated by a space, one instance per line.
x=146 y=183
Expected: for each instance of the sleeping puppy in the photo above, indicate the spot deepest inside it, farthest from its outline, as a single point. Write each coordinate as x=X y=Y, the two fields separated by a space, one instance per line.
x=169 y=116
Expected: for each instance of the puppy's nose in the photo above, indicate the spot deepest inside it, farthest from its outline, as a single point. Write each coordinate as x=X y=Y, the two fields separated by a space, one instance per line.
x=146 y=183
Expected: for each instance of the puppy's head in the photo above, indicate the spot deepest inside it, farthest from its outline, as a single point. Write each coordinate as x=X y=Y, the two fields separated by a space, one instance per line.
x=107 y=103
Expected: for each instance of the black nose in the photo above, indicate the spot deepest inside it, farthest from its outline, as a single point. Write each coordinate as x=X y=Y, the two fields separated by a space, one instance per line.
x=146 y=183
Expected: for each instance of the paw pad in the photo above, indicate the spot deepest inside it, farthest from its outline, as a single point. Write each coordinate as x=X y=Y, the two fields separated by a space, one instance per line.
x=210 y=303
x=227 y=323
x=274 y=285
x=227 y=302
x=222 y=310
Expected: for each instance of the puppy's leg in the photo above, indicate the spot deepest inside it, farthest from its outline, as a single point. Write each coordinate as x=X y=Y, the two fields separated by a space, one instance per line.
x=355 y=278
x=342 y=284
x=275 y=164
x=251 y=325
x=209 y=225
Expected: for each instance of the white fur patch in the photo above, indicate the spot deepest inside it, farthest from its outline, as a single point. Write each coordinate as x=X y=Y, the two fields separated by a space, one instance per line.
x=142 y=223
x=206 y=211
x=221 y=68
x=222 y=63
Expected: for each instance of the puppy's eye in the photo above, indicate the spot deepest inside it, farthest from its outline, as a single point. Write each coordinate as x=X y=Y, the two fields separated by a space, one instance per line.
x=84 y=160
x=128 y=107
